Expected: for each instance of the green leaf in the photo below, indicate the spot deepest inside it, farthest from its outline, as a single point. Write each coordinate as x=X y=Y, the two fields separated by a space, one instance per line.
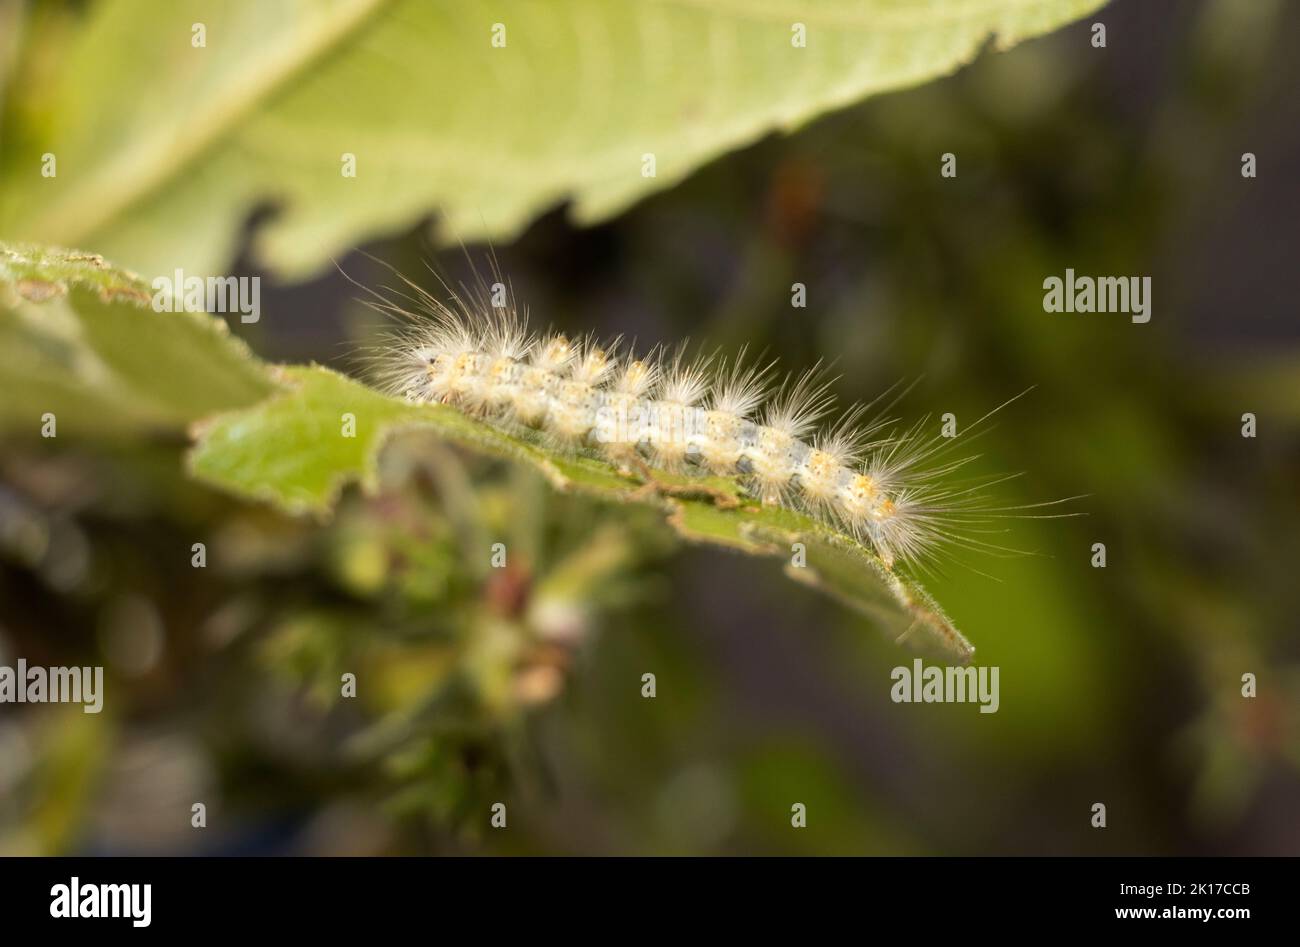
x=163 y=148
x=298 y=449
x=78 y=340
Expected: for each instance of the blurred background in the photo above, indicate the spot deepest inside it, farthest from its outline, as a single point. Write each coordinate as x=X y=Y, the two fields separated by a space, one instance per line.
x=1119 y=685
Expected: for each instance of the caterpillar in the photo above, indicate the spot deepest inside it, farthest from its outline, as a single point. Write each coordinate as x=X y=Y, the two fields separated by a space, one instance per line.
x=860 y=473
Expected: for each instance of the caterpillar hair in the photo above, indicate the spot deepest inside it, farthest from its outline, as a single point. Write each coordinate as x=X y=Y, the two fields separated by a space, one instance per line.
x=863 y=474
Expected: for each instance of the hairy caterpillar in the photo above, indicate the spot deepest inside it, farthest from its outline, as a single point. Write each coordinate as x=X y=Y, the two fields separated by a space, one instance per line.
x=861 y=474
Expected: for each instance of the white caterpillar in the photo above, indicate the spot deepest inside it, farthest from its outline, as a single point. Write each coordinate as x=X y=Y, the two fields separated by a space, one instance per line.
x=878 y=484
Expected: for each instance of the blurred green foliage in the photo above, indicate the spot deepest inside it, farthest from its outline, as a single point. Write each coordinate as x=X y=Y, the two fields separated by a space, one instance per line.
x=162 y=110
